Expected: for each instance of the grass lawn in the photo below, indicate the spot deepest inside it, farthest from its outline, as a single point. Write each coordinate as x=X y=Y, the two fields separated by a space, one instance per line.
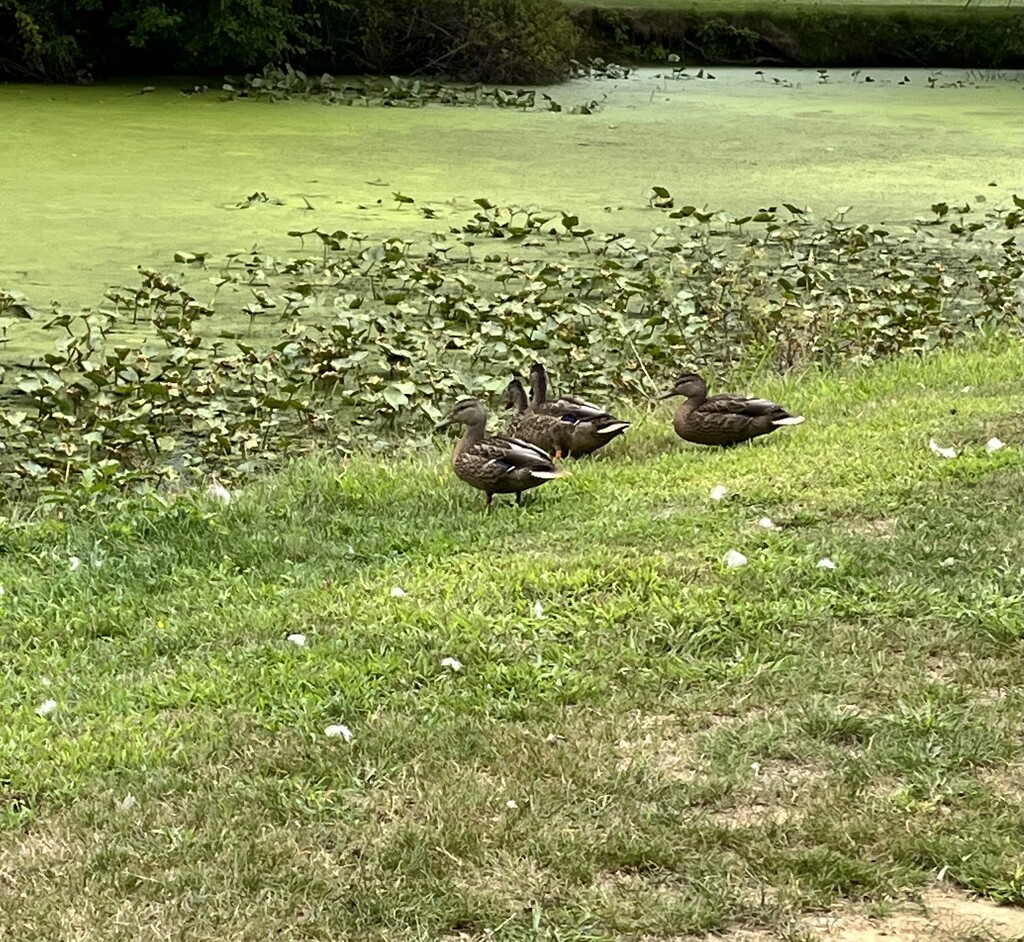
x=641 y=742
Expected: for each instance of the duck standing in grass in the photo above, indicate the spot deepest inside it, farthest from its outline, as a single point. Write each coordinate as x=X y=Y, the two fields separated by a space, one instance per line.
x=589 y=426
x=495 y=464
x=546 y=431
x=725 y=419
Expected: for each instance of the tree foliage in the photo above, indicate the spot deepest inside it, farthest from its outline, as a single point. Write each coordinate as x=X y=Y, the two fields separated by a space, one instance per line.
x=495 y=40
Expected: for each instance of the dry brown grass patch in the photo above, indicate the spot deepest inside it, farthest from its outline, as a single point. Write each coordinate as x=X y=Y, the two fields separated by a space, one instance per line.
x=50 y=852
x=653 y=739
x=728 y=935
x=48 y=845
x=780 y=792
x=942 y=915
x=506 y=876
x=877 y=528
x=1009 y=782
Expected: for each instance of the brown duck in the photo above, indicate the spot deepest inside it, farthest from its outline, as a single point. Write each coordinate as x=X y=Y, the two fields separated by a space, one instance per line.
x=495 y=464
x=545 y=431
x=725 y=419
x=589 y=426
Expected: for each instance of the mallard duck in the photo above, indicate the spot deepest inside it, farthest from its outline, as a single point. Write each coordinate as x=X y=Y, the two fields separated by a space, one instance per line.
x=496 y=464
x=590 y=427
x=546 y=431
x=725 y=419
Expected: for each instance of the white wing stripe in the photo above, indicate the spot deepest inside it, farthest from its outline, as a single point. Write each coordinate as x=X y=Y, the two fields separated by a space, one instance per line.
x=527 y=450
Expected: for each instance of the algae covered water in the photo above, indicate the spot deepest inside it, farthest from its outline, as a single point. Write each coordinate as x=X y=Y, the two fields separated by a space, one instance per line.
x=98 y=179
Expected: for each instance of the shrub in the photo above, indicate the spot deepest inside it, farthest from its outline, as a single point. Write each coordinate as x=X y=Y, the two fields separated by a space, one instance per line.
x=510 y=40
x=526 y=41
x=36 y=41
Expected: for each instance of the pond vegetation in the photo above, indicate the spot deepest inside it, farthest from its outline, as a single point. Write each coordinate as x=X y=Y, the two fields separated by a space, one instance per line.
x=362 y=340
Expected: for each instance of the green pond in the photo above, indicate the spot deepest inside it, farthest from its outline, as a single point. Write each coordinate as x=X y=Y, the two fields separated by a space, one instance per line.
x=98 y=179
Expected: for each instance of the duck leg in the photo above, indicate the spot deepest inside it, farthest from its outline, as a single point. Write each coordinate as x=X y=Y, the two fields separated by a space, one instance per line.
x=519 y=498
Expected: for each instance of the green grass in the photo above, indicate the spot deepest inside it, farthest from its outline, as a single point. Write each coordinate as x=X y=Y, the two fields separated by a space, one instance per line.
x=672 y=747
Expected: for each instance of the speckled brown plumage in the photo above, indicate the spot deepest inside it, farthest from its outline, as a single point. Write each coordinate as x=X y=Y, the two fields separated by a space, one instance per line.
x=545 y=431
x=495 y=464
x=725 y=419
x=589 y=426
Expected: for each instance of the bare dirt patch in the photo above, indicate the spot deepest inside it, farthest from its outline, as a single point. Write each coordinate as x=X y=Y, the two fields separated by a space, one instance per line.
x=1008 y=782
x=780 y=791
x=655 y=739
x=942 y=915
x=880 y=528
x=941 y=670
x=745 y=935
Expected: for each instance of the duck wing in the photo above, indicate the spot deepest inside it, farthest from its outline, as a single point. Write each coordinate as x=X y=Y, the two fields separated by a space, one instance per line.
x=547 y=432
x=742 y=407
x=574 y=411
x=513 y=454
x=587 y=426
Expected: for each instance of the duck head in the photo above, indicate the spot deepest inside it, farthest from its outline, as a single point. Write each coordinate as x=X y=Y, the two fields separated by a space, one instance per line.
x=466 y=412
x=686 y=384
x=515 y=395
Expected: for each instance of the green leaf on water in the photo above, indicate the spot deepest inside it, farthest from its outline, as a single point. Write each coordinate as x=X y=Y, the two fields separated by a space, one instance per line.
x=32 y=468
x=394 y=397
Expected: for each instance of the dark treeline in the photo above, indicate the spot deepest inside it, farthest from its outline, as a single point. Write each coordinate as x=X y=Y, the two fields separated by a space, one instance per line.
x=498 y=41
x=954 y=34
x=492 y=40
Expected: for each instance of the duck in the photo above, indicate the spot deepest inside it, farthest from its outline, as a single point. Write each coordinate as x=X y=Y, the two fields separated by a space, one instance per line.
x=546 y=431
x=589 y=426
x=725 y=419
x=495 y=464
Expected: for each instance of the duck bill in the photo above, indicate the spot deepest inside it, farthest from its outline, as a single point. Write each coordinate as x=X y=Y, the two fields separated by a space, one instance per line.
x=668 y=395
x=441 y=426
